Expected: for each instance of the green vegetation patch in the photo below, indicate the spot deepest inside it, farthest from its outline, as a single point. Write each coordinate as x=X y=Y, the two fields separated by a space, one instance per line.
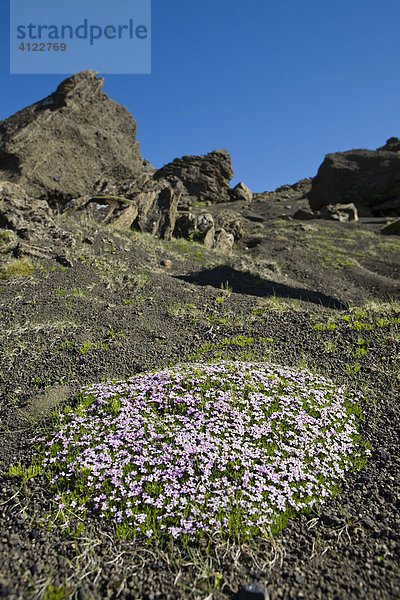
x=17 y=268
x=227 y=448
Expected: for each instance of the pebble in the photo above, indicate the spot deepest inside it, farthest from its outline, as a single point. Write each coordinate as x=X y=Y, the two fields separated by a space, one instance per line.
x=367 y=522
x=253 y=591
x=166 y=262
x=299 y=577
x=383 y=454
x=64 y=261
x=330 y=520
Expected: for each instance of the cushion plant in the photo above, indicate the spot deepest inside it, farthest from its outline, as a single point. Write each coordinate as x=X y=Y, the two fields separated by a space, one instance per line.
x=230 y=448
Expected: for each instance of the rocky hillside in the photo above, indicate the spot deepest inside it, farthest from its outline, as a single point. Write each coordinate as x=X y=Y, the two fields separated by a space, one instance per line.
x=75 y=153
x=111 y=268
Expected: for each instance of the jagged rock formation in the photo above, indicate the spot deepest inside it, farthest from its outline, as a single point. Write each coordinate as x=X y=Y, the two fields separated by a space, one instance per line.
x=75 y=153
x=232 y=223
x=144 y=205
x=31 y=222
x=242 y=192
x=204 y=229
x=200 y=178
x=368 y=178
x=60 y=147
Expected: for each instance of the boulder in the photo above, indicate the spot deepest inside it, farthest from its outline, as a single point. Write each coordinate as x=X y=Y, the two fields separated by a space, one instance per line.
x=241 y=192
x=339 y=212
x=368 y=178
x=223 y=241
x=200 y=178
x=59 y=148
x=231 y=223
x=392 y=228
x=205 y=230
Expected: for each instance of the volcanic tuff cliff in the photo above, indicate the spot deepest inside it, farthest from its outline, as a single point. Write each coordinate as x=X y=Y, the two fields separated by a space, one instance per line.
x=61 y=147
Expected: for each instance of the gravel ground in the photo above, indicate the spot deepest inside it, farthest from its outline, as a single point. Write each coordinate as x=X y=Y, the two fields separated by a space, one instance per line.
x=121 y=309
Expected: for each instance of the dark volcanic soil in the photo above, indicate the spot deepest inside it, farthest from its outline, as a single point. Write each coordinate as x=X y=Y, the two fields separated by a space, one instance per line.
x=130 y=303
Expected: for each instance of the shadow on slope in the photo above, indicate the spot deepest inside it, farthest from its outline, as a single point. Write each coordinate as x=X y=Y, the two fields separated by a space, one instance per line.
x=246 y=283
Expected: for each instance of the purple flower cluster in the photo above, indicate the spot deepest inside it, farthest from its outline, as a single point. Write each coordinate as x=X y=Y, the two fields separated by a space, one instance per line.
x=226 y=447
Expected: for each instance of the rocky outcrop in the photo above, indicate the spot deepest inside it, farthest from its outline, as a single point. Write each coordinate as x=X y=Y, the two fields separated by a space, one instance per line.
x=198 y=228
x=203 y=229
x=144 y=205
x=223 y=241
x=241 y=192
x=286 y=193
x=200 y=178
x=368 y=178
x=231 y=222
x=60 y=147
x=31 y=220
x=332 y=212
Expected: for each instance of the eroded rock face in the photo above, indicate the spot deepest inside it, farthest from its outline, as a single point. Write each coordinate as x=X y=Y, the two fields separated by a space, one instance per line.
x=231 y=223
x=145 y=205
x=223 y=241
x=31 y=220
x=20 y=213
x=368 y=178
x=200 y=178
x=60 y=147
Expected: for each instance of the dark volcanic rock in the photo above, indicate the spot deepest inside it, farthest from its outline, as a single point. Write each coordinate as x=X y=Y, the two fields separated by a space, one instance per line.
x=331 y=212
x=31 y=220
x=242 y=192
x=200 y=178
x=368 y=178
x=339 y=212
x=58 y=148
x=143 y=204
x=232 y=223
x=199 y=228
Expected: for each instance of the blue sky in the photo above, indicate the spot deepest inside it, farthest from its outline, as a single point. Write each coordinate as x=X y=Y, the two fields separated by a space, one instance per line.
x=279 y=83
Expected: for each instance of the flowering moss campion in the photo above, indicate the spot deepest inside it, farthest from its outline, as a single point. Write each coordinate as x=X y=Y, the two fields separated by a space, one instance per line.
x=229 y=448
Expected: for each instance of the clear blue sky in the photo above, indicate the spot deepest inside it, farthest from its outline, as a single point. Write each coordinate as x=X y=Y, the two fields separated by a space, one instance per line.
x=279 y=83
